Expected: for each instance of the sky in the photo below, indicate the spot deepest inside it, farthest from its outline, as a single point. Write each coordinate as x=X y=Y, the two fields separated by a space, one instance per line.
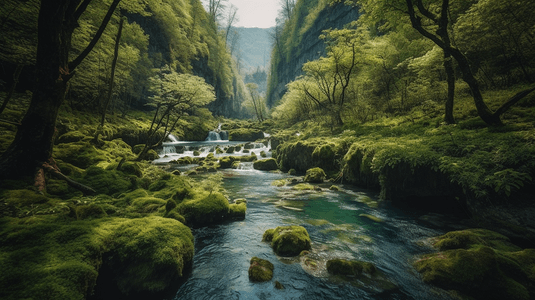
x=256 y=13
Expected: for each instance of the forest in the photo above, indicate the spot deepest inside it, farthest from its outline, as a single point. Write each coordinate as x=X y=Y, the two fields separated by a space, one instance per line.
x=423 y=108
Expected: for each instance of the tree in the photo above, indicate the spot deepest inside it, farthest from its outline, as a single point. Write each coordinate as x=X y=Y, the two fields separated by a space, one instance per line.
x=174 y=95
x=257 y=103
x=33 y=143
x=331 y=76
x=431 y=18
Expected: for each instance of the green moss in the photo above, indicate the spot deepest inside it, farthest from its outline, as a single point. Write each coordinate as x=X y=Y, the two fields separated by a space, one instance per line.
x=279 y=182
x=315 y=175
x=474 y=238
x=269 y=164
x=170 y=205
x=205 y=211
x=303 y=187
x=22 y=198
x=131 y=168
x=176 y=216
x=237 y=210
x=349 y=268
x=245 y=134
x=474 y=272
x=260 y=270
x=148 y=254
x=288 y=240
x=292 y=172
x=91 y=211
x=147 y=204
x=72 y=136
x=109 y=182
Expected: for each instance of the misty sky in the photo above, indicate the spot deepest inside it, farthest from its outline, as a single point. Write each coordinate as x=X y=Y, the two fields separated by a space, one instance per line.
x=256 y=13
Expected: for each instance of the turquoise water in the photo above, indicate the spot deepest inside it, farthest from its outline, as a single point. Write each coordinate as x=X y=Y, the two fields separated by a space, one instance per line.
x=338 y=228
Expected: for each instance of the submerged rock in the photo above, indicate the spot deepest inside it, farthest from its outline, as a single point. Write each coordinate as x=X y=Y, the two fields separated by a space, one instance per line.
x=360 y=273
x=260 y=270
x=288 y=240
x=481 y=264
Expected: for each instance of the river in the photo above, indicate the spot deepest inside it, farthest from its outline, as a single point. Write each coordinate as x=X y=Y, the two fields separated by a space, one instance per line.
x=337 y=229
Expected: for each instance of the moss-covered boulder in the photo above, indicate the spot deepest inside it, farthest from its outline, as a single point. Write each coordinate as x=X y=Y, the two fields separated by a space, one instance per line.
x=315 y=175
x=148 y=254
x=480 y=264
x=245 y=134
x=260 y=270
x=361 y=274
x=269 y=164
x=237 y=210
x=109 y=182
x=72 y=136
x=226 y=162
x=288 y=240
x=349 y=268
x=205 y=211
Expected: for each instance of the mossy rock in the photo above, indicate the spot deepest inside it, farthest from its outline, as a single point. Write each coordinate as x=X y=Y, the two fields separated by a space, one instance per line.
x=151 y=155
x=245 y=134
x=109 y=182
x=226 y=162
x=72 y=136
x=23 y=198
x=481 y=264
x=260 y=270
x=269 y=164
x=176 y=216
x=303 y=187
x=474 y=272
x=237 y=211
x=131 y=168
x=230 y=150
x=209 y=210
x=349 y=268
x=148 y=254
x=292 y=172
x=186 y=160
x=91 y=211
x=473 y=238
x=288 y=240
x=315 y=175
x=81 y=154
x=138 y=148
x=147 y=204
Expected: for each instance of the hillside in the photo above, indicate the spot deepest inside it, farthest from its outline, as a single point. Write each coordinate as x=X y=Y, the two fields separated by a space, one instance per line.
x=255 y=48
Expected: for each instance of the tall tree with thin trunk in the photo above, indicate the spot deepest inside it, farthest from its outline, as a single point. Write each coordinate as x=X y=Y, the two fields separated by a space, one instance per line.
x=33 y=143
x=107 y=101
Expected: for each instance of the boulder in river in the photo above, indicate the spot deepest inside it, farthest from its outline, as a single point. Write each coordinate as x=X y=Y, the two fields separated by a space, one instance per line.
x=288 y=240
x=260 y=270
x=315 y=175
x=269 y=164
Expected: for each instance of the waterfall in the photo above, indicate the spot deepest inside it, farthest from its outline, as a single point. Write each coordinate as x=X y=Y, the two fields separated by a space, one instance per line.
x=172 y=138
x=213 y=136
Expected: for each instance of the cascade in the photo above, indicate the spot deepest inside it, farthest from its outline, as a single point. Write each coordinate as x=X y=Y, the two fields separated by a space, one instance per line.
x=213 y=136
x=172 y=138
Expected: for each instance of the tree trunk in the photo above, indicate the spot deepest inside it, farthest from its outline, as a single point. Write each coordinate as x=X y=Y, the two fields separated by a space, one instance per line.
x=450 y=77
x=112 y=76
x=33 y=142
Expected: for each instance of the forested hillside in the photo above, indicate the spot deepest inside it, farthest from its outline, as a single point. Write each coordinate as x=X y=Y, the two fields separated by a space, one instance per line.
x=180 y=34
x=296 y=39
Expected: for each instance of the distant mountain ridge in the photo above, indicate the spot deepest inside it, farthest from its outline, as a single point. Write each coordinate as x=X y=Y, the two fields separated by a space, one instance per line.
x=255 y=48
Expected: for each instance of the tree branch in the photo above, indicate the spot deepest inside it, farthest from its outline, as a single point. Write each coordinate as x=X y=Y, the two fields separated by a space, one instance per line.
x=87 y=50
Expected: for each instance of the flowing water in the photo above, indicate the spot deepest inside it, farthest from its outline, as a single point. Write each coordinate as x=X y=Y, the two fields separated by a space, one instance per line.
x=340 y=226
